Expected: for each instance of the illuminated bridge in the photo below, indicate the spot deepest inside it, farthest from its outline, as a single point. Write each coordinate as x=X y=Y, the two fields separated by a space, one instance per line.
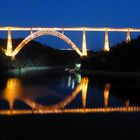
x=59 y=32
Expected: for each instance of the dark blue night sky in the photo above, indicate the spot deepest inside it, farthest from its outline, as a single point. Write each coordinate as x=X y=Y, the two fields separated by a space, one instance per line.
x=65 y=13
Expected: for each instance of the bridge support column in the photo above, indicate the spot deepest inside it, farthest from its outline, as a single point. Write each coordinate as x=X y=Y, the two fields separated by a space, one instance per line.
x=84 y=44
x=9 y=48
x=31 y=32
x=63 y=32
x=106 y=94
x=128 y=38
x=106 y=45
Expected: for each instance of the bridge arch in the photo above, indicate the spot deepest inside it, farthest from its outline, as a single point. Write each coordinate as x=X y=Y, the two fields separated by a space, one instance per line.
x=45 y=32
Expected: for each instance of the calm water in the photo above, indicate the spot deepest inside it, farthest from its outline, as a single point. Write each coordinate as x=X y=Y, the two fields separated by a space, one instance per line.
x=66 y=94
x=68 y=103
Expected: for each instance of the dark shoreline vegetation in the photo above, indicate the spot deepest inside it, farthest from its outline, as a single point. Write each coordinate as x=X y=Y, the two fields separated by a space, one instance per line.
x=121 y=59
x=35 y=54
x=124 y=57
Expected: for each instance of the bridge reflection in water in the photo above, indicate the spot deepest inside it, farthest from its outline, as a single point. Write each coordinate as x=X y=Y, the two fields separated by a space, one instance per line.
x=13 y=91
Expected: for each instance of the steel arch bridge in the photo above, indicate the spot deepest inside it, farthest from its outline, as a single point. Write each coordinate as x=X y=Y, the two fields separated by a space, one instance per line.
x=45 y=32
x=59 y=32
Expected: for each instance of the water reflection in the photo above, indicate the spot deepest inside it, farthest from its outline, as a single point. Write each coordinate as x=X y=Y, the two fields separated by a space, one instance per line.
x=71 y=80
x=127 y=103
x=106 y=94
x=82 y=86
x=84 y=90
x=14 y=91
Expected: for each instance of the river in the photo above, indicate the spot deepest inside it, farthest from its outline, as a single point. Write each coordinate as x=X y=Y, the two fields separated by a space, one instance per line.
x=69 y=100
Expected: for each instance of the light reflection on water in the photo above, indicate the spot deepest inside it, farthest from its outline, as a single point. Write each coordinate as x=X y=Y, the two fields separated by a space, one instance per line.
x=75 y=95
x=12 y=91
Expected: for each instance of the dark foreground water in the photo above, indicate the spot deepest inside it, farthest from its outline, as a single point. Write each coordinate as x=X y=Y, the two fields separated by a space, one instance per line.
x=43 y=104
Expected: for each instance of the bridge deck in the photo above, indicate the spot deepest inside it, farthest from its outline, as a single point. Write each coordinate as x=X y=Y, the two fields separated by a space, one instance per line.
x=71 y=29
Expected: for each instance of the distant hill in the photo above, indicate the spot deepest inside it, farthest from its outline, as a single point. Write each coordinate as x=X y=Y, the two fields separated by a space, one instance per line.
x=124 y=57
x=35 y=54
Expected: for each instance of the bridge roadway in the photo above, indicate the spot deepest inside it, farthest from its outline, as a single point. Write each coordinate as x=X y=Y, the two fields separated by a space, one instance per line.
x=71 y=29
x=72 y=111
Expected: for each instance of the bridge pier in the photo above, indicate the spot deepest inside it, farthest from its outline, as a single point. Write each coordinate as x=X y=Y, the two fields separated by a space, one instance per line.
x=63 y=32
x=31 y=31
x=9 y=48
x=84 y=44
x=13 y=58
x=106 y=44
x=128 y=38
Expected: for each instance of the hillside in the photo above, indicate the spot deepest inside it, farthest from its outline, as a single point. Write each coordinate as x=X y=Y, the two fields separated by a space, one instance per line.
x=124 y=57
x=35 y=54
